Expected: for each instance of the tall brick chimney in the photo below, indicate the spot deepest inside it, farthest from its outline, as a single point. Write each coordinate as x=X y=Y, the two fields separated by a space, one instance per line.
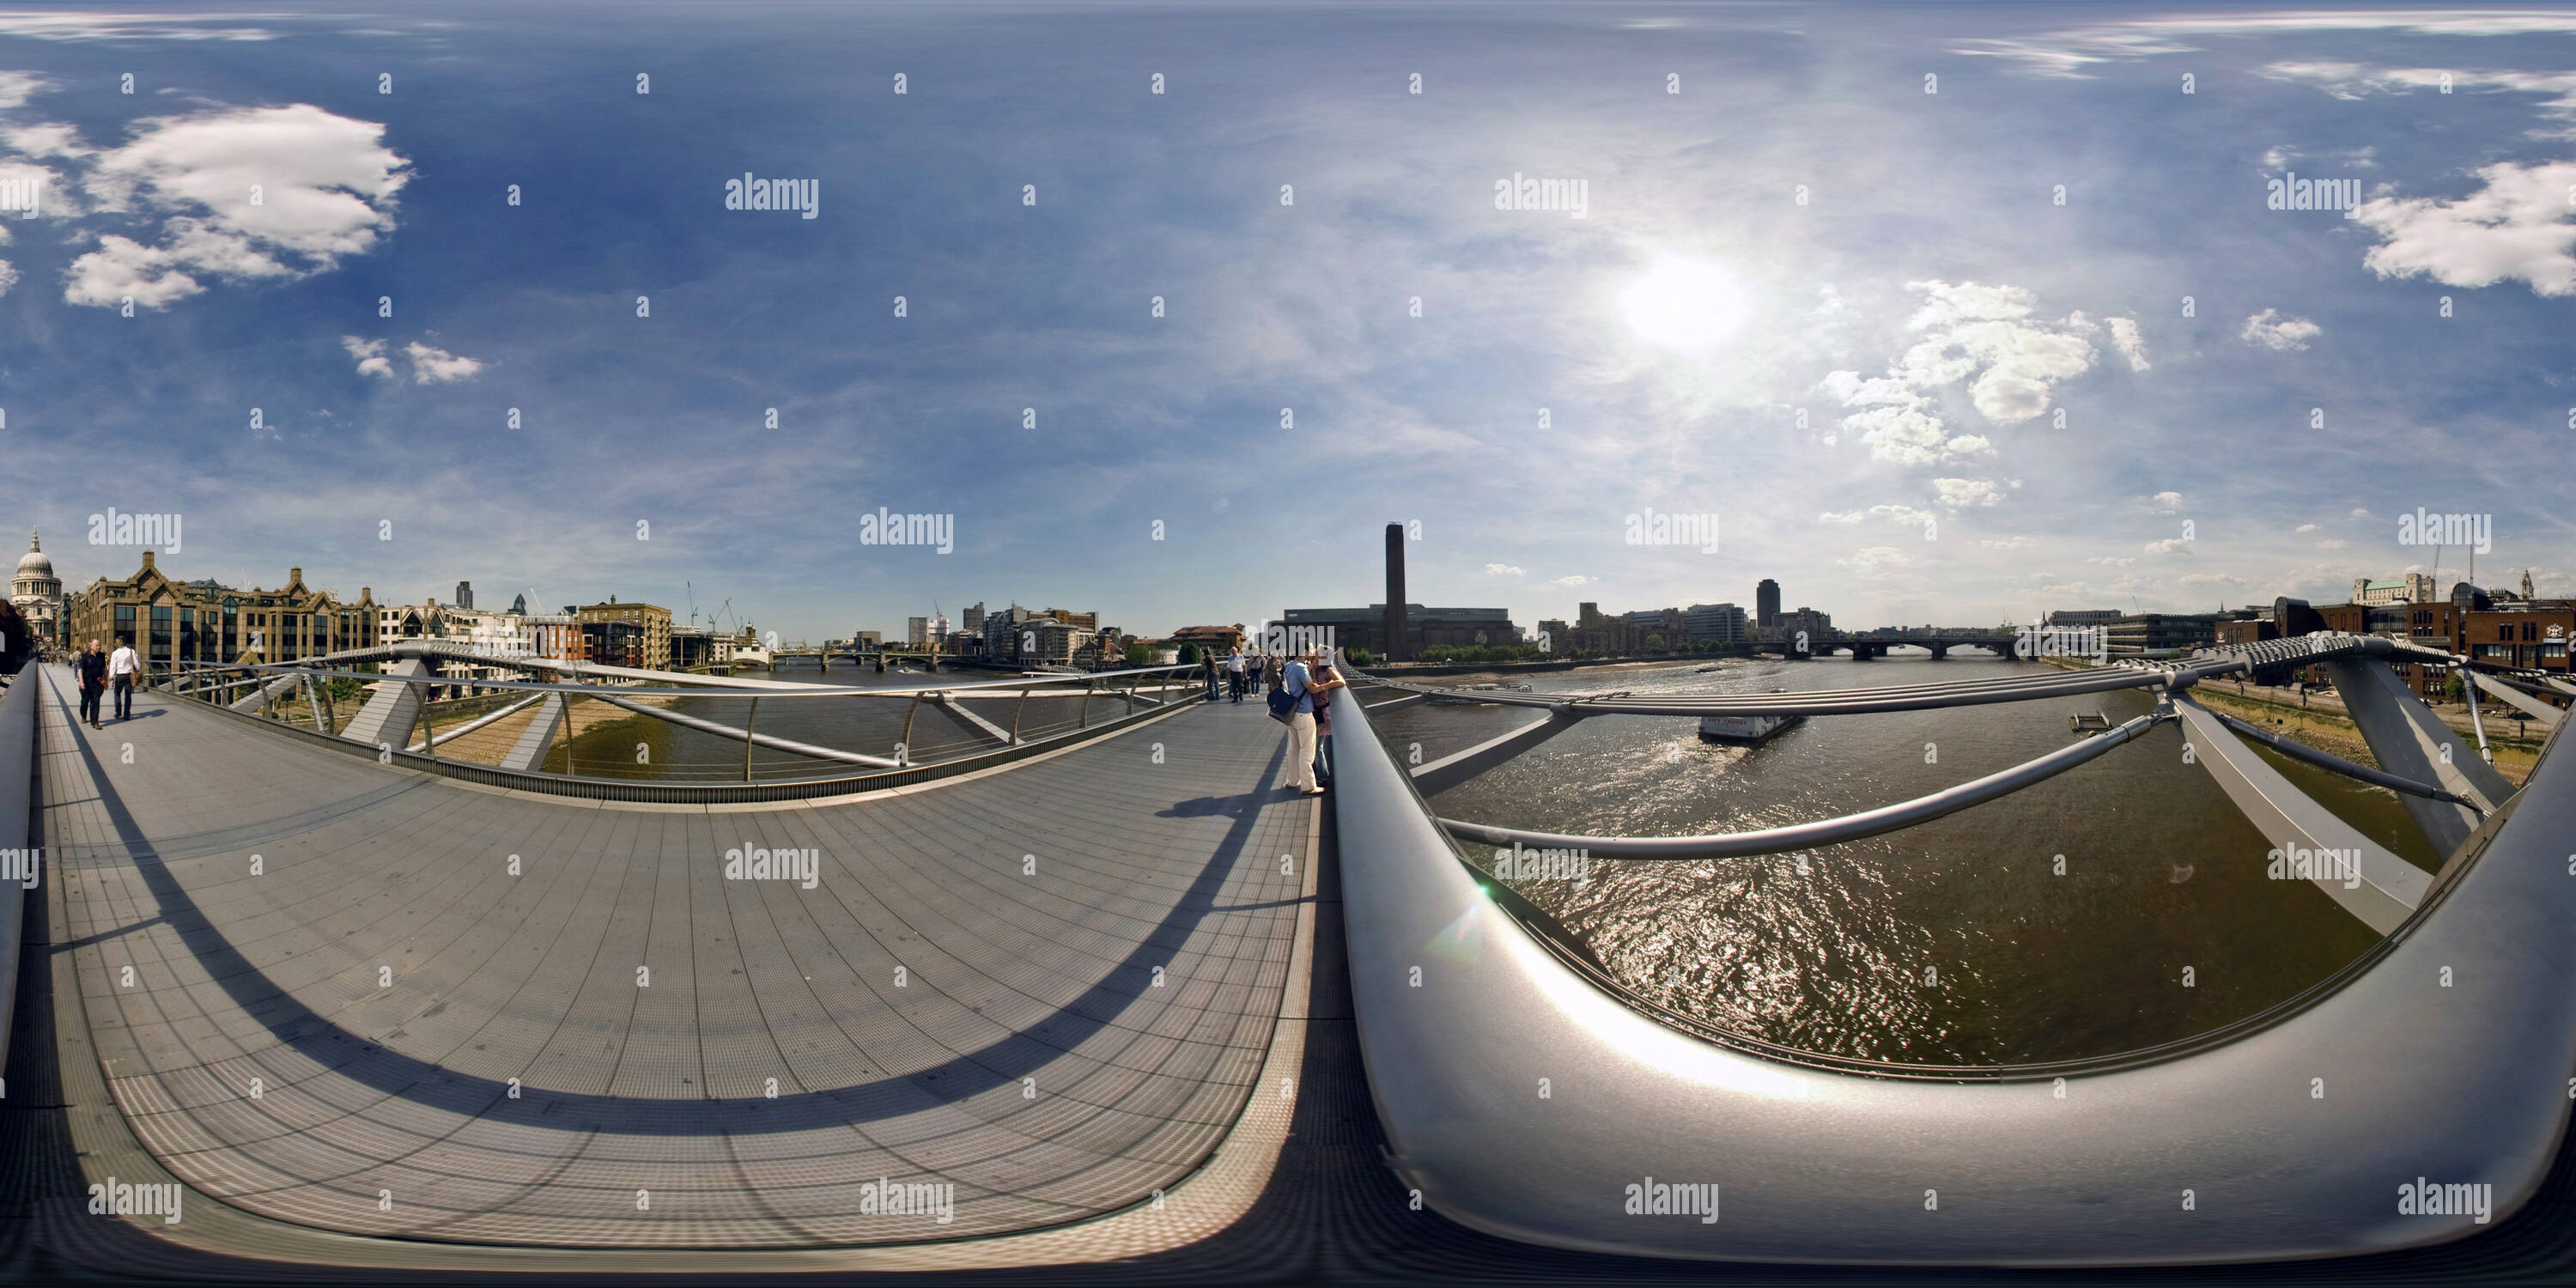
x=1395 y=623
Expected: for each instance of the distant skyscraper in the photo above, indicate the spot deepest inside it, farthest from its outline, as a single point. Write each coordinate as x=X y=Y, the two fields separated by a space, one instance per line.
x=464 y=594
x=519 y=606
x=1766 y=604
x=916 y=631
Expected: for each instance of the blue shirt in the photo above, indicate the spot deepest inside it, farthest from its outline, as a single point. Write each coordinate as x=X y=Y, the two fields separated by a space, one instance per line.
x=1294 y=682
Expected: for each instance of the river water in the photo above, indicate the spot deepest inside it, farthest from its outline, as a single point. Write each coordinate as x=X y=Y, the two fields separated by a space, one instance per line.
x=1953 y=942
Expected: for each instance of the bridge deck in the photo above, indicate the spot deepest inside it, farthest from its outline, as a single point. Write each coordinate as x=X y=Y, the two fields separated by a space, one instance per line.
x=1027 y=1057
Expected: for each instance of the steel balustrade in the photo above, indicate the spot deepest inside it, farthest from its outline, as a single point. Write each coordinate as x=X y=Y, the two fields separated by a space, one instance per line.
x=314 y=676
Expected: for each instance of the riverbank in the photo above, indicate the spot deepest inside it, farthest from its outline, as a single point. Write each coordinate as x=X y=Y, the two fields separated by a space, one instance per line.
x=2319 y=720
x=1407 y=670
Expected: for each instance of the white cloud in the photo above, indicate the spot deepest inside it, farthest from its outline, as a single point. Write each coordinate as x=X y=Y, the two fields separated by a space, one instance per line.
x=431 y=366
x=123 y=268
x=2065 y=54
x=370 y=355
x=1501 y=570
x=2125 y=338
x=1875 y=561
x=2007 y=543
x=1961 y=494
x=1575 y=580
x=2353 y=82
x=2519 y=225
x=2167 y=546
x=74 y=27
x=2337 y=544
x=17 y=87
x=2166 y=502
x=2113 y=561
x=1892 y=513
x=323 y=185
x=2212 y=579
x=1980 y=334
x=2359 y=513
x=2268 y=329
x=2305 y=527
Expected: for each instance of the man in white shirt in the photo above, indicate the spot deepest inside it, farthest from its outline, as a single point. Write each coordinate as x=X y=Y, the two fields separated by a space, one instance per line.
x=125 y=670
x=1234 y=673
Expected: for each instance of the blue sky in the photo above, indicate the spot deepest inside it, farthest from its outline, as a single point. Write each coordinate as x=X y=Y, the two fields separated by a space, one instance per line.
x=1930 y=308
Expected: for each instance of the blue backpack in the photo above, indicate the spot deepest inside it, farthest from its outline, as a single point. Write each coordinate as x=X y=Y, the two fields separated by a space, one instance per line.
x=1283 y=704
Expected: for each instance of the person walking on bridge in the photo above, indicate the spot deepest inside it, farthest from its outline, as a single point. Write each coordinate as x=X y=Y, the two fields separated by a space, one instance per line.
x=126 y=670
x=91 y=669
x=1234 y=673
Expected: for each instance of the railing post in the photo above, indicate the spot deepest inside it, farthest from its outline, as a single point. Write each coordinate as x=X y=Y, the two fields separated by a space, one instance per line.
x=567 y=731
x=428 y=726
x=748 y=722
x=1017 y=710
x=903 y=749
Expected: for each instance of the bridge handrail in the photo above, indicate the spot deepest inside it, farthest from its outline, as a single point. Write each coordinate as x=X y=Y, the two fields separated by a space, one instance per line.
x=1831 y=831
x=282 y=676
x=1847 y=701
x=2306 y=1120
x=694 y=682
x=17 y=782
x=2297 y=750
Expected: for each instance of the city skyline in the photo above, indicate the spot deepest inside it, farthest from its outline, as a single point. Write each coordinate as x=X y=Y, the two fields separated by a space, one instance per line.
x=735 y=616
x=388 y=373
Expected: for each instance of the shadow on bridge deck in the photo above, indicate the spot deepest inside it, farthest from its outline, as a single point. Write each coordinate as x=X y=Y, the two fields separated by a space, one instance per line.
x=433 y=1011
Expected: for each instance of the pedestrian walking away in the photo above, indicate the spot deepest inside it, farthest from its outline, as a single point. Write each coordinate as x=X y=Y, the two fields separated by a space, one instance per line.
x=91 y=668
x=126 y=670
